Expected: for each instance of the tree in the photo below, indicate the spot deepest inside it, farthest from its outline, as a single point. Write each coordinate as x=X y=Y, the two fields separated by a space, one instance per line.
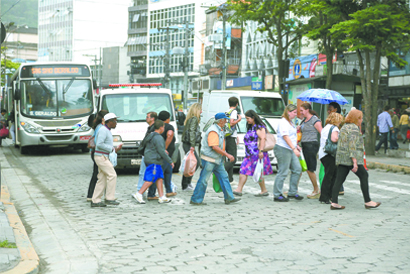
x=382 y=27
x=273 y=17
x=323 y=16
x=7 y=66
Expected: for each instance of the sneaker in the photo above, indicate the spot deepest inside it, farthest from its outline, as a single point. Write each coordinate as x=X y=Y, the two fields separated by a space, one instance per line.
x=227 y=202
x=198 y=204
x=296 y=197
x=100 y=204
x=113 y=202
x=139 y=198
x=281 y=198
x=191 y=187
x=164 y=200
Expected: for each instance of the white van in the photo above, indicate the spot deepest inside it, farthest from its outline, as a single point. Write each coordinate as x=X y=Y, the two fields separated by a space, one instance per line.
x=267 y=104
x=132 y=104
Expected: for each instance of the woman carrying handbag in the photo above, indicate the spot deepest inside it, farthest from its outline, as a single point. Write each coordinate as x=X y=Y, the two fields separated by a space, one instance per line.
x=329 y=137
x=191 y=137
x=254 y=139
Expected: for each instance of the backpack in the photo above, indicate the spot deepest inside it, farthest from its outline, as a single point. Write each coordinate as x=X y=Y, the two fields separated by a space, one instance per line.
x=228 y=130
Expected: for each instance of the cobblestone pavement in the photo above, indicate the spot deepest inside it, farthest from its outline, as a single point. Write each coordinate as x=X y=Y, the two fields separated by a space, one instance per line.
x=256 y=235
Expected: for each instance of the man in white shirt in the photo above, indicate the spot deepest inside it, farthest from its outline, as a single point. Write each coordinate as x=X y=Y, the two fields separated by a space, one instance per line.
x=231 y=140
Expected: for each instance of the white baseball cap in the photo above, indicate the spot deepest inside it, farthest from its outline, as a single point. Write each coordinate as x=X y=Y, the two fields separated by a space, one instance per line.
x=110 y=116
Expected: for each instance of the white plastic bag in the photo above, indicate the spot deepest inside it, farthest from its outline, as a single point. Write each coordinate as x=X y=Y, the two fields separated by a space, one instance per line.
x=257 y=174
x=181 y=169
x=113 y=158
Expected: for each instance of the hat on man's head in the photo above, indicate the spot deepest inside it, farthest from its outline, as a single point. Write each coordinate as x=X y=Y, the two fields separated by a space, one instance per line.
x=221 y=115
x=110 y=116
x=164 y=115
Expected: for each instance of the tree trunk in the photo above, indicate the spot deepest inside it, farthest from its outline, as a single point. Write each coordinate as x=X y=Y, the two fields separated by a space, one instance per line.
x=329 y=69
x=369 y=109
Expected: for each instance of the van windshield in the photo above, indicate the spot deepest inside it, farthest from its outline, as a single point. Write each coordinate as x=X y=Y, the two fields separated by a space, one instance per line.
x=263 y=106
x=134 y=107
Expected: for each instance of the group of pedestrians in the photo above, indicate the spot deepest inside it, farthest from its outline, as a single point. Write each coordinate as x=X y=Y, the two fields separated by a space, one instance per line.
x=218 y=153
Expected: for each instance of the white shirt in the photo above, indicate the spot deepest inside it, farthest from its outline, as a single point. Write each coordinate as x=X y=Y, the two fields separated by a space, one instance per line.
x=286 y=129
x=323 y=137
x=234 y=115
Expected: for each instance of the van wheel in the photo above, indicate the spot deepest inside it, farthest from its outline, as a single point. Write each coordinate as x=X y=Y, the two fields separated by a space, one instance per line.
x=23 y=150
x=177 y=165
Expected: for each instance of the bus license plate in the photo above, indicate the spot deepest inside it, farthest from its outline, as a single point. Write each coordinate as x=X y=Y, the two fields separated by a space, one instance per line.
x=136 y=161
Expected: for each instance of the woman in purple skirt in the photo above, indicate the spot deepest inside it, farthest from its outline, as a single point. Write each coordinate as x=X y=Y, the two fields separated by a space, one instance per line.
x=256 y=131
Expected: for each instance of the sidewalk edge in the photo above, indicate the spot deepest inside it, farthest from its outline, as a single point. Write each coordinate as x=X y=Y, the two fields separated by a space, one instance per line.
x=29 y=263
x=388 y=167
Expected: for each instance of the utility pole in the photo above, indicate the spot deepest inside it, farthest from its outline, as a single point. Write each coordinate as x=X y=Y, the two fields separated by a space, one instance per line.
x=100 y=69
x=186 y=65
x=167 y=57
x=224 y=52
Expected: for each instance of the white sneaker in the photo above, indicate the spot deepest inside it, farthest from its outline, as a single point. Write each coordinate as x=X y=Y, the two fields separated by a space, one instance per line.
x=163 y=200
x=139 y=198
x=191 y=187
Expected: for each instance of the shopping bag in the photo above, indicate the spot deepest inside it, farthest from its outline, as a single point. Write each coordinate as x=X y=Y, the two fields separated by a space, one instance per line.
x=302 y=161
x=408 y=134
x=216 y=185
x=257 y=174
x=113 y=158
x=182 y=167
x=321 y=174
x=190 y=164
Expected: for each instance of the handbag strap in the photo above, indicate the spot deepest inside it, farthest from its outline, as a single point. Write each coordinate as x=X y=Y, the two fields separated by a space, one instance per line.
x=330 y=133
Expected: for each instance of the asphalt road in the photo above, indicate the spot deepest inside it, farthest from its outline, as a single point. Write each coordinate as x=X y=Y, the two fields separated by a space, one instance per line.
x=255 y=235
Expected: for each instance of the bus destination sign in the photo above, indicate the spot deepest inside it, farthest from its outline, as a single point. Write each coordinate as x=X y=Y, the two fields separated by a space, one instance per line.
x=54 y=71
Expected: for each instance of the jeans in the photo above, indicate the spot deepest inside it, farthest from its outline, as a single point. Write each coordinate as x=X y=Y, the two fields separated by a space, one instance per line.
x=403 y=132
x=13 y=133
x=207 y=169
x=393 y=139
x=329 y=163
x=286 y=160
x=94 y=179
x=342 y=172
x=167 y=170
x=232 y=149
x=187 y=180
x=141 y=181
x=383 y=140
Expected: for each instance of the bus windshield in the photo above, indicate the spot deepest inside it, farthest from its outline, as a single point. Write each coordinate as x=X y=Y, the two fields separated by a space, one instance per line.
x=264 y=106
x=46 y=98
x=134 y=107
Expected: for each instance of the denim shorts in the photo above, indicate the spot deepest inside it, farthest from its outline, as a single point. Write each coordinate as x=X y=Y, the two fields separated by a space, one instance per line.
x=153 y=172
x=310 y=150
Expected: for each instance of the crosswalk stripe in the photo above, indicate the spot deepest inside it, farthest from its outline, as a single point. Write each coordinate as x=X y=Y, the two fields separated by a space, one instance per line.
x=383 y=187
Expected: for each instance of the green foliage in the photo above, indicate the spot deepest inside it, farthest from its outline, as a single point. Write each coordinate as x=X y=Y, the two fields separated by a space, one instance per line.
x=24 y=13
x=6 y=244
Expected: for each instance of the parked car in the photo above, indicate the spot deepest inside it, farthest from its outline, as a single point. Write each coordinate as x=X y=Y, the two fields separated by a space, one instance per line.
x=241 y=126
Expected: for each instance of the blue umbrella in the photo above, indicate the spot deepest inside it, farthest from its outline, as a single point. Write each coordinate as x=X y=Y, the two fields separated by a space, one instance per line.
x=322 y=96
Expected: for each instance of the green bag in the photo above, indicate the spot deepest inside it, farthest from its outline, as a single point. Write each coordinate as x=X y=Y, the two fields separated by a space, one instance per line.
x=321 y=174
x=302 y=162
x=216 y=185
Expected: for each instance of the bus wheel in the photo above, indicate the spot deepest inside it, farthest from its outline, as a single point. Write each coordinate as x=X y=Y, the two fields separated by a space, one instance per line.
x=85 y=149
x=23 y=150
x=177 y=165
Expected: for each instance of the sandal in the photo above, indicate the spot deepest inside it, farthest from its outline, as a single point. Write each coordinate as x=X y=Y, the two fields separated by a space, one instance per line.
x=237 y=193
x=262 y=194
x=314 y=195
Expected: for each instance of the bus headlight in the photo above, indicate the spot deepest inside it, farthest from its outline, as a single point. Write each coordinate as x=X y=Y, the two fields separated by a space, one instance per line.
x=84 y=128
x=117 y=138
x=29 y=127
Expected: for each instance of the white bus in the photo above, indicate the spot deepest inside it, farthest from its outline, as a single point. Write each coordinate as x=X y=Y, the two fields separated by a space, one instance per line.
x=52 y=103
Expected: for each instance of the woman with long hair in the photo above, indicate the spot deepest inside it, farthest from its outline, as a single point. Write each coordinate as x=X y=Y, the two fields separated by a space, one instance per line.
x=97 y=123
x=189 y=139
x=287 y=152
x=333 y=122
x=310 y=127
x=254 y=143
x=350 y=156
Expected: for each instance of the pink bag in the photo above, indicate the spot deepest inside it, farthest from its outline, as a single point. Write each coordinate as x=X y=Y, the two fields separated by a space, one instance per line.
x=190 y=165
x=4 y=132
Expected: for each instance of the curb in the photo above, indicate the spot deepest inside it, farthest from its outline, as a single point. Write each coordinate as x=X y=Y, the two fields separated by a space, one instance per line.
x=387 y=167
x=29 y=263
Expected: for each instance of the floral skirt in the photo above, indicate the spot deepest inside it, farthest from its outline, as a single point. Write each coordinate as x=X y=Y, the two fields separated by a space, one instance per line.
x=249 y=164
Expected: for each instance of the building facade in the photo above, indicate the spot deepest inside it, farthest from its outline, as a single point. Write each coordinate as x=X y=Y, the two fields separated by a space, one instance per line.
x=75 y=30
x=21 y=44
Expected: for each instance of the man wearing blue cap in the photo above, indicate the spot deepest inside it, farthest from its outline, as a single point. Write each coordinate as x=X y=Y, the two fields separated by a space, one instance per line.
x=212 y=153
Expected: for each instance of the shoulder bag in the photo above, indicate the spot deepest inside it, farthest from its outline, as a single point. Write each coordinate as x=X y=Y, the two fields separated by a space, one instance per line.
x=270 y=142
x=330 y=147
x=91 y=143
